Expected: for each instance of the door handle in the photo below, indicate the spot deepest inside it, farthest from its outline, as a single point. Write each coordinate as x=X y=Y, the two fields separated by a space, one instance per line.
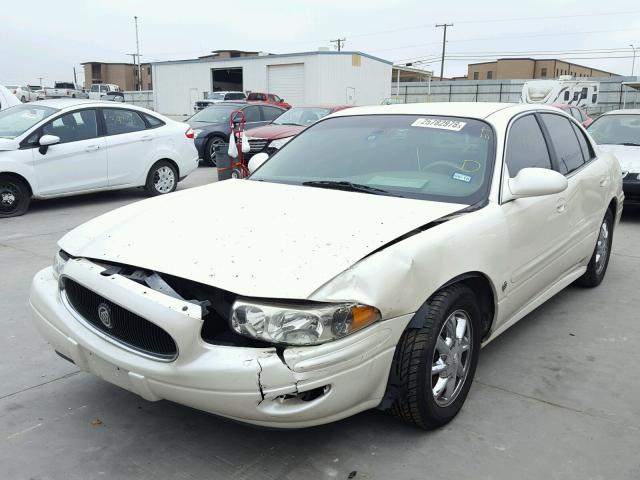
x=561 y=206
x=92 y=148
x=146 y=138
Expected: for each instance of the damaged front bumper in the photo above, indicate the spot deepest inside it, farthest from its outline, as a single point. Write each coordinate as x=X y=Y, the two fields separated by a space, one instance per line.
x=296 y=387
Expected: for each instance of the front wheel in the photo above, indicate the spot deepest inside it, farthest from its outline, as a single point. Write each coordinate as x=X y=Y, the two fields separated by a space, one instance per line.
x=435 y=364
x=162 y=179
x=23 y=99
x=14 y=197
x=597 y=267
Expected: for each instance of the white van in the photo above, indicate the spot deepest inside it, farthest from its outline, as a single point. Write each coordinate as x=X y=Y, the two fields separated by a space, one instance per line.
x=98 y=90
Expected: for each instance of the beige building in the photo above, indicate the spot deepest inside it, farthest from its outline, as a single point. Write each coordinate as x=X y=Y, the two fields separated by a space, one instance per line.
x=528 y=68
x=125 y=75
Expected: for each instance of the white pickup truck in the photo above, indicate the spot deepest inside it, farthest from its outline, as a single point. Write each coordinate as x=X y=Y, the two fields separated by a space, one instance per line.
x=65 y=90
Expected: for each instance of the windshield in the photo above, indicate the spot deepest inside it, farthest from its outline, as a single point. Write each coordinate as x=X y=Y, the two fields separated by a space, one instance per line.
x=303 y=116
x=215 y=114
x=616 y=129
x=95 y=88
x=215 y=96
x=16 y=120
x=444 y=159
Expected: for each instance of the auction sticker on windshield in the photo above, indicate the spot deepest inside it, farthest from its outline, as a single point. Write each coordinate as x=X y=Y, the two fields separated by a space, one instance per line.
x=454 y=125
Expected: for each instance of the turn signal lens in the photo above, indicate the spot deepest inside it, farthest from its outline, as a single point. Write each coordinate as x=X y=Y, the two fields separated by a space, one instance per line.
x=363 y=316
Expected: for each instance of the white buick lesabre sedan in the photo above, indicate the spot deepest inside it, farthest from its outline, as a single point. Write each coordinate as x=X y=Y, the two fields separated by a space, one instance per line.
x=363 y=265
x=62 y=147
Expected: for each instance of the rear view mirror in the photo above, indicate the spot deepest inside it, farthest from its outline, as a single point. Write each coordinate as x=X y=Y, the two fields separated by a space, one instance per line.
x=257 y=160
x=47 y=140
x=535 y=182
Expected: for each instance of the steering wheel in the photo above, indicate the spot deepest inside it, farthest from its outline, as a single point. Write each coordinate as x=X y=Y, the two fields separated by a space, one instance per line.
x=440 y=163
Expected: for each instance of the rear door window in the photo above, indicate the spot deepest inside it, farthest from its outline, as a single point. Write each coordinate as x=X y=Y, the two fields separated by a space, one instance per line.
x=587 y=152
x=118 y=121
x=565 y=142
x=526 y=147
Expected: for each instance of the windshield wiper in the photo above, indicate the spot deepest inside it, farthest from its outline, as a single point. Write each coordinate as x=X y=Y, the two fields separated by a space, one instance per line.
x=630 y=144
x=292 y=124
x=347 y=186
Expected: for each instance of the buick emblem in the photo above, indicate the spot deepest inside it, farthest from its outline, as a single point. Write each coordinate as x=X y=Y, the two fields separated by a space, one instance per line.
x=104 y=314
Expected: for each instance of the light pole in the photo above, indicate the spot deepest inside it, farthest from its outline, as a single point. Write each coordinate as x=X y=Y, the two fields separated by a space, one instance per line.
x=138 y=55
x=633 y=62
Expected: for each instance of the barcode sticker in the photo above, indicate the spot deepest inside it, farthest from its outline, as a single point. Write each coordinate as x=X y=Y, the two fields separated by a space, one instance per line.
x=453 y=125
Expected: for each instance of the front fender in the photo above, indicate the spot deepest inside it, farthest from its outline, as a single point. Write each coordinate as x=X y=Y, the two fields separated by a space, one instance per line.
x=25 y=170
x=398 y=279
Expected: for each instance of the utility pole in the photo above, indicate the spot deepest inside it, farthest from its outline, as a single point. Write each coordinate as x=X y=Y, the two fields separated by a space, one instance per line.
x=339 y=43
x=40 y=78
x=633 y=63
x=138 y=55
x=75 y=80
x=444 y=44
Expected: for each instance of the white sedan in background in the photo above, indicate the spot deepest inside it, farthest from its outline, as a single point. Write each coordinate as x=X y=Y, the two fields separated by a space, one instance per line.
x=362 y=266
x=23 y=93
x=62 y=147
x=618 y=132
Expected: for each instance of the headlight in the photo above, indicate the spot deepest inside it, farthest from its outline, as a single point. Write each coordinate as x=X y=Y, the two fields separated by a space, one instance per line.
x=59 y=261
x=279 y=143
x=310 y=324
x=197 y=132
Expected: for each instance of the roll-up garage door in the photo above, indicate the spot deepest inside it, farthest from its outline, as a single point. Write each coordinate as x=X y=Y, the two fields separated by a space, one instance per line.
x=287 y=81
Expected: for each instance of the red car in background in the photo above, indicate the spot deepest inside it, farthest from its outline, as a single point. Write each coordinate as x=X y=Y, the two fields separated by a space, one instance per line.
x=271 y=137
x=577 y=113
x=271 y=98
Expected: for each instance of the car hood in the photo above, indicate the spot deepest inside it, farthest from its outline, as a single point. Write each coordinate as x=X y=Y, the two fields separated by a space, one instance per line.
x=253 y=238
x=628 y=156
x=274 y=132
x=8 y=144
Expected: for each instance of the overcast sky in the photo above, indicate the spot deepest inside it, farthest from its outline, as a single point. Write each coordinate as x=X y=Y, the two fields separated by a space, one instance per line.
x=48 y=39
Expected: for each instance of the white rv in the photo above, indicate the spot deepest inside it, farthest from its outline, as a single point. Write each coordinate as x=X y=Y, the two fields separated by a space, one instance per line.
x=579 y=93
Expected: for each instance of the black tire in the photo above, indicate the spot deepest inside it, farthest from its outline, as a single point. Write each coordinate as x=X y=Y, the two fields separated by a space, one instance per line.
x=23 y=99
x=597 y=267
x=161 y=179
x=73 y=95
x=14 y=196
x=207 y=157
x=415 y=356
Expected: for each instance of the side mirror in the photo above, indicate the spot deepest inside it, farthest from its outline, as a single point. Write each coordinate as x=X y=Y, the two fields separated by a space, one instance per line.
x=257 y=160
x=535 y=182
x=47 y=140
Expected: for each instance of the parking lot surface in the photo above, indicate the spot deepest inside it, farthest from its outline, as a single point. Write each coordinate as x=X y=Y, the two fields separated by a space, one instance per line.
x=555 y=397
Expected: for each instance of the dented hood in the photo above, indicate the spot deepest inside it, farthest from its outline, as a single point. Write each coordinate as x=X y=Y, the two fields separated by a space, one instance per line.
x=253 y=238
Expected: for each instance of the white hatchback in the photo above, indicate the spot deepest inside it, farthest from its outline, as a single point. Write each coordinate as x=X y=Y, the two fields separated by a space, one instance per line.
x=62 y=147
x=363 y=265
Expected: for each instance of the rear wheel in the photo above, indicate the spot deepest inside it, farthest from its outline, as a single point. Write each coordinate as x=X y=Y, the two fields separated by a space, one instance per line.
x=597 y=267
x=14 y=196
x=162 y=178
x=435 y=364
x=23 y=99
x=209 y=156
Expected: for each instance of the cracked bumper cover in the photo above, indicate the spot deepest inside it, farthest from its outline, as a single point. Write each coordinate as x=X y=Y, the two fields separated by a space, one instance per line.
x=245 y=384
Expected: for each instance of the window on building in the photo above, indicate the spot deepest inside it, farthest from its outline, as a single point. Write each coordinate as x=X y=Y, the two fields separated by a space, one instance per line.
x=526 y=146
x=476 y=75
x=489 y=74
x=543 y=73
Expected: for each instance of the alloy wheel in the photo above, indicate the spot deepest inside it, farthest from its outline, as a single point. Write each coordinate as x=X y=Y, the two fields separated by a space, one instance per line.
x=451 y=358
x=602 y=247
x=164 y=179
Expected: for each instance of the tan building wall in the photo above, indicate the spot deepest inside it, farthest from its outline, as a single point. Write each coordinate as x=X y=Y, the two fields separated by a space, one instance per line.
x=527 y=68
x=125 y=75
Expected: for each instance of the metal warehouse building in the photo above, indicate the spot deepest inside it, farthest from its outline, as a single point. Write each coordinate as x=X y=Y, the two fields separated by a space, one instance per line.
x=322 y=77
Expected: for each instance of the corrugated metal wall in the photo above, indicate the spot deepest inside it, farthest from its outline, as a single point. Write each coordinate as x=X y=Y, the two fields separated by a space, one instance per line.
x=611 y=97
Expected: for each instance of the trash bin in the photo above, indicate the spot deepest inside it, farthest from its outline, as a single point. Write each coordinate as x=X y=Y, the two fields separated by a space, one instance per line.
x=223 y=161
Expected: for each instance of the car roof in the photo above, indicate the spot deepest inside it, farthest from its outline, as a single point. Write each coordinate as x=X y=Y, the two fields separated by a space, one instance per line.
x=71 y=103
x=628 y=111
x=479 y=110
